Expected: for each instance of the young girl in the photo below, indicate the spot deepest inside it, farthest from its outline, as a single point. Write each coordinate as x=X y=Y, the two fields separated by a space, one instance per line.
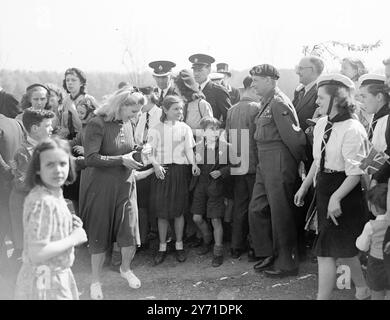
x=338 y=139
x=50 y=231
x=171 y=142
x=209 y=188
x=372 y=238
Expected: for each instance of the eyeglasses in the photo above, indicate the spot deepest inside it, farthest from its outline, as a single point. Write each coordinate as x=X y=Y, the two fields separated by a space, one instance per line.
x=299 y=68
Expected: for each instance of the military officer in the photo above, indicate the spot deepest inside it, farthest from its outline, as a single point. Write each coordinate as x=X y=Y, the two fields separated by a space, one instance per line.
x=162 y=74
x=281 y=147
x=215 y=94
x=234 y=93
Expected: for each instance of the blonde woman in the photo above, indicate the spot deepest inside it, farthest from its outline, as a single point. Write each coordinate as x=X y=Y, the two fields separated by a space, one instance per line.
x=108 y=204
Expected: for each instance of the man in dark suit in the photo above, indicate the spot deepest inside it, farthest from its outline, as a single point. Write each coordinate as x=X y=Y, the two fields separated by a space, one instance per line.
x=9 y=106
x=305 y=96
x=215 y=94
x=162 y=74
x=234 y=93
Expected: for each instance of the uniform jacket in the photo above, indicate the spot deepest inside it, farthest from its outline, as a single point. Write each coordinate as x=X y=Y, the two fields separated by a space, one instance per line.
x=171 y=91
x=278 y=122
x=219 y=99
x=305 y=106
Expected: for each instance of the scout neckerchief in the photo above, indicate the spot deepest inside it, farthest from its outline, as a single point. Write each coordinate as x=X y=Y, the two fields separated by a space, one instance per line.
x=146 y=129
x=384 y=111
x=327 y=133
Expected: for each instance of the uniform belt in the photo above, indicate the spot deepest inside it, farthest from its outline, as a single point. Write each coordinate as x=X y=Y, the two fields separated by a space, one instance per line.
x=331 y=171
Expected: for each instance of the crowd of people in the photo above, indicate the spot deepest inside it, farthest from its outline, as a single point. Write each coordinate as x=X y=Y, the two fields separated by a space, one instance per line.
x=195 y=163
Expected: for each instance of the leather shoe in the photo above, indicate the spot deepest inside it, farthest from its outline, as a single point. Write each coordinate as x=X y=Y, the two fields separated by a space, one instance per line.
x=264 y=264
x=159 y=257
x=217 y=261
x=276 y=273
x=235 y=253
x=181 y=255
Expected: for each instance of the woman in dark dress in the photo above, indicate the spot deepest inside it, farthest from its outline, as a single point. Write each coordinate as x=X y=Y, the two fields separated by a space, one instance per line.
x=338 y=139
x=108 y=200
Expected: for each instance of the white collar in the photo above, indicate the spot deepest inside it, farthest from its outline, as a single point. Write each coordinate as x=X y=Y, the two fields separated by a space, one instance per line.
x=381 y=217
x=31 y=141
x=164 y=90
x=152 y=111
x=310 y=85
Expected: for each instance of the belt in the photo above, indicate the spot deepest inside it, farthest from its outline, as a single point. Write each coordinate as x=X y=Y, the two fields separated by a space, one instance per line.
x=331 y=171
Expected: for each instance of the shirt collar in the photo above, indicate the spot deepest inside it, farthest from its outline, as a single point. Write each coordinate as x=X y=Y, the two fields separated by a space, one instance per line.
x=164 y=90
x=310 y=85
x=267 y=98
x=381 y=217
x=31 y=141
x=248 y=99
x=203 y=84
x=381 y=112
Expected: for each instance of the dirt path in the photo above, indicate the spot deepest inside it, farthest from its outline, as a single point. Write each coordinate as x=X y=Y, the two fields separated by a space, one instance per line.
x=193 y=279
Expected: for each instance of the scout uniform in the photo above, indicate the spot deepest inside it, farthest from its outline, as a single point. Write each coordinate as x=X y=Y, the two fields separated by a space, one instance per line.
x=215 y=94
x=337 y=143
x=281 y=146
x=234 y=93
x=163 y=68
x=379 y=128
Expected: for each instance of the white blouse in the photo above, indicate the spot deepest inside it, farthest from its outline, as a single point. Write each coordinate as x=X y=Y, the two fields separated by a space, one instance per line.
x=344 y=147
x=197 y=110
x=170 y=141
x=154 y=119
x=379 y=134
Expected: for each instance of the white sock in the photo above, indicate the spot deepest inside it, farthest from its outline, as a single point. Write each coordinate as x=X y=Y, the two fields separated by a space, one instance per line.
x=163 y=247
x=179 y=245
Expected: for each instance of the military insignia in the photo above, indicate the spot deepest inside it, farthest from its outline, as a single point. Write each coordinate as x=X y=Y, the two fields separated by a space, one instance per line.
x=160 y=67
x=196 y=60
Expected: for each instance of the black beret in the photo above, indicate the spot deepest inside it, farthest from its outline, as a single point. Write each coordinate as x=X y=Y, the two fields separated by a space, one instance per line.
x=265 y=70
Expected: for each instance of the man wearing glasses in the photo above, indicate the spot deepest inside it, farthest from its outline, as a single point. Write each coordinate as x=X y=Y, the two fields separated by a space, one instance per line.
x=305 y=96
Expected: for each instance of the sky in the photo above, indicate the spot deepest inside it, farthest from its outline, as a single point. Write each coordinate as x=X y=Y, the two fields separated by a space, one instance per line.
x=125 y=35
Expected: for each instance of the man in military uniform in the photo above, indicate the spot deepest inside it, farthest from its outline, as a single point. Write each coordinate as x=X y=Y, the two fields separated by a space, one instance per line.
x=234 y=93
x=162 y=74
x=215 y=94
x=281 y=147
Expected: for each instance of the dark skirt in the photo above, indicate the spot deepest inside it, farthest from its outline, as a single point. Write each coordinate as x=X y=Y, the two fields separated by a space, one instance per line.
x=108 y=208
x=169 y=198
x=338 y=241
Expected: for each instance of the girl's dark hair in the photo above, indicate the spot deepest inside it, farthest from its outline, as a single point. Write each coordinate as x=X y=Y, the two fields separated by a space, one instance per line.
x=79 y=74
x=343 y=95
x=376 y=89
x=188 y=93
x=32 y=176
x=377 y=196
x=167 y=103
x=57 y=90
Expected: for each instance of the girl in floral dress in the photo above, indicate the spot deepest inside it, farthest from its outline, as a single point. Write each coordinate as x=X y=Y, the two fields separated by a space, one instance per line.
x=50 y=231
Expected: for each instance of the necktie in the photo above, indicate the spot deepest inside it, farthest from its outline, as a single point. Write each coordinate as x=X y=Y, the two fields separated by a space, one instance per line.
x=161 y=97
x=326 y=136
x=302 y=94
x=146 y=129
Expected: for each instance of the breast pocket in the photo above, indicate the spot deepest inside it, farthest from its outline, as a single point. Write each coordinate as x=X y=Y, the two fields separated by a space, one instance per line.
x=263 y=128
